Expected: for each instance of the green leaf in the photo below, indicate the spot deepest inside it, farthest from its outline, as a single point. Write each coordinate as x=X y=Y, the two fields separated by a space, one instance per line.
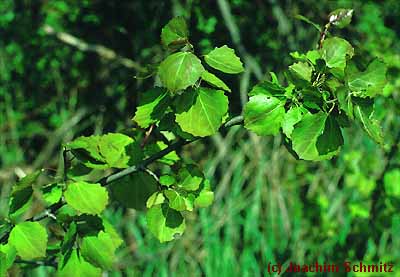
x=205 y=197
x=155 y=199
x=190 y=177
x=224 y=59
x=165 y=223
x=200 y=112
x=102 y=152
x=331 y=138
x=152 y=107
x=99 y=250
x=77 y=266
x=9 y=253
x=175 y=32
x=167 y=180
x=369 y=82
x=86 y=197
x=301 y=70
x=112 y=148
x=214 y=80
x=51 y=194
x=341 y=17
x=29 y=239
x=371 y=126
x=133 y=190
x=335 y=51
x=305 y=135
x=180 y=70
x=293 y=116
x=345 y=102
x=264 y=115
x=178 y=200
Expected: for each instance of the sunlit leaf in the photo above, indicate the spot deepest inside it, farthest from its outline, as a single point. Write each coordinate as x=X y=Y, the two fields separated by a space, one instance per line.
x=214 y=80
x=180 y=70
x=152 y=107
x=264 y=115
x=29 y=239
x=224 y=59
x=86 y=197
x=165 y=223
x=200 y=112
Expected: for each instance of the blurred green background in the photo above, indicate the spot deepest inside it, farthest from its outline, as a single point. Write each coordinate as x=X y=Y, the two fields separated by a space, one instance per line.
x=67 y=69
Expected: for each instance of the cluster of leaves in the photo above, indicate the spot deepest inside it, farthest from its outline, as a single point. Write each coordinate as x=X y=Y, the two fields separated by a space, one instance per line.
x=326 y=90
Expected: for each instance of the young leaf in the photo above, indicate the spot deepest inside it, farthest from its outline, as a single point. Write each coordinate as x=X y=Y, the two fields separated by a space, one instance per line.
x=175 y=32
x=77 y=266
x=152 y=107
x=86 y=197
x=99 y=250
x=180 y=70
x=293 y=116
x=178 y=201
x=113 y=149
x=224 y=59
x=133 y=190
x=102 y=152
x=155 y=199
x=341 y=17
x=305 y=135
x=167 y=180
x=371 y=126
x=165 y=223
x=214 y=80
x=369 y=82
x=200 y=112
x=301 y=70
x=205 y=197
x=29 y=239
x=335 y=51
x=331 y=138
x=264 y=115
x=190 y=177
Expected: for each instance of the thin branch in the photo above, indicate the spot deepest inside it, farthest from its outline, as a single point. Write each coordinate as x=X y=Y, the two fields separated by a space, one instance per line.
x=101 y=50
x=141 y=166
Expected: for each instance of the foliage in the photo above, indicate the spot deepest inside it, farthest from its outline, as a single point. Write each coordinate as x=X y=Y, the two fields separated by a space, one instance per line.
x=324 y=91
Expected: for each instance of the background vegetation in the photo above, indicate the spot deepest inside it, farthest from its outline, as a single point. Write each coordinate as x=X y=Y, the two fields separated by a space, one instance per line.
x=67 y=69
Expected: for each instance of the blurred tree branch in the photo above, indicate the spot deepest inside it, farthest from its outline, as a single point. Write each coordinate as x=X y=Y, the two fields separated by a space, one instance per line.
x=101 y=50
